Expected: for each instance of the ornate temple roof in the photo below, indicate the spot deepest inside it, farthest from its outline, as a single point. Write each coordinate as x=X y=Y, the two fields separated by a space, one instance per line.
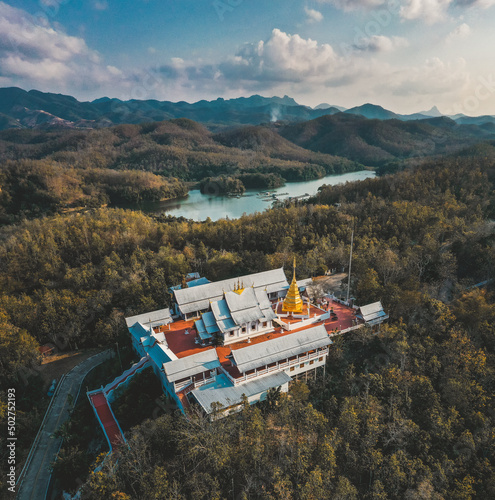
x=198 y=298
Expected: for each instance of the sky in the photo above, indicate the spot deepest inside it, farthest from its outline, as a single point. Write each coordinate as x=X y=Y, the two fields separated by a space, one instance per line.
x=405 y=55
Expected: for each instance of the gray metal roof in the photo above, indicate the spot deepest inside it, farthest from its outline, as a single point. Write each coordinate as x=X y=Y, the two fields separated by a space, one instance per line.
x=281 y=348
x=228 y=395
x=372 y=312
x=198 y=298
x=153 y=318
x=262 y=298
x=221 y=312
x=191 y=365
x=245 y=307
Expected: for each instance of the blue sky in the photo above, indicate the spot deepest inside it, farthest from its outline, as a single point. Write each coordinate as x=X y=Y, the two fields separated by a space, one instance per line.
x=406 y=55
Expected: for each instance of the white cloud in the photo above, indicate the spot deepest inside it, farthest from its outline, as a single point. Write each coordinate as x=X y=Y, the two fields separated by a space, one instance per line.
x=313 y=16
x=433 y=77
x=32 y=53
x=100 y=4
x=380 y=43
x=304 y=68
x=283 y=57
x=482 y=4
x=430 y=11
x=462 y=31
x=350 y=5
x=43 y=69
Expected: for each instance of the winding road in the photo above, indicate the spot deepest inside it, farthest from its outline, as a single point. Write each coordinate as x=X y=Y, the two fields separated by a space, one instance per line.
x=35 y=478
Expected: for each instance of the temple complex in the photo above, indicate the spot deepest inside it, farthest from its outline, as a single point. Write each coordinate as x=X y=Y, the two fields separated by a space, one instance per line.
x=240 y=338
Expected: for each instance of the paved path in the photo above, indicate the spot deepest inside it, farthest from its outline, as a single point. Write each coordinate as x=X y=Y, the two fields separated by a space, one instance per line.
x=33 y=484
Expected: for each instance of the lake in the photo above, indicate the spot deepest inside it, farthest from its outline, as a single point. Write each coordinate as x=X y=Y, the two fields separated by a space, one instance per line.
x=199 y=206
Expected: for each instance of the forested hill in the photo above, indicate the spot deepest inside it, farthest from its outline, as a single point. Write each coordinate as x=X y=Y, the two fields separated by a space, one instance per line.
x=52 y=170
x=48 y=171
x=376 y=142
x=35 y=109
x=404 y=414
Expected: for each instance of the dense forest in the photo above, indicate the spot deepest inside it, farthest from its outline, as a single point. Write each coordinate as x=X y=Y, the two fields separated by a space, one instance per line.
x=407 y=413
x=60 y=170
x=47 y=172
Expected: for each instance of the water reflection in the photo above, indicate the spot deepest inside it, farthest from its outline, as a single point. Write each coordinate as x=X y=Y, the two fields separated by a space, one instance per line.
x=199 y=206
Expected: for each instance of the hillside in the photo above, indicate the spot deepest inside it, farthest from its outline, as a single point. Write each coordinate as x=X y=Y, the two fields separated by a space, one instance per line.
x=374 y=142
x=34 y=109
x=405 y=412
x=63 y=169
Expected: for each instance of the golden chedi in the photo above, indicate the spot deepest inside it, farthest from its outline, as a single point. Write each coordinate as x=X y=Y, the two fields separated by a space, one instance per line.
x=293 y=302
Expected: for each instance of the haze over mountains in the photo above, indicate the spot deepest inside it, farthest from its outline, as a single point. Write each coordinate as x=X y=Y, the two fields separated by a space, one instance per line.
x=35 y=109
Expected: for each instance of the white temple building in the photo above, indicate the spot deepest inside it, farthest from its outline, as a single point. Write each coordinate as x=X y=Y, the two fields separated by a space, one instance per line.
x=240 y=338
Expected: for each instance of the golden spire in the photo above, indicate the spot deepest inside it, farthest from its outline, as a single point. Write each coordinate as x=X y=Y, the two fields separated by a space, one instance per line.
x=293 y=302
x=240 y=287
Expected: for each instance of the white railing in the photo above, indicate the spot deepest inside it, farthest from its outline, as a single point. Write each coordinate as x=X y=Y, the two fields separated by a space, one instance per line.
x=110 y=387
x=277 y=367
x=205 y=381
x=377 y=321
x=179 y=386
x=228 y=375
x=310 y=321
x=345 y=330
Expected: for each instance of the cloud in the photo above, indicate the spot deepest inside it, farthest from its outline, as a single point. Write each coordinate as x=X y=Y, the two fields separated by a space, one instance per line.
x=380 y=43
x=283 y=57
x=462 y=31
x=433 y=77
x=313 y=16
x=33 y=52
x=100 y=5
x=304 y=68
x=482 y=4
x=430 y=11
x=350 y=5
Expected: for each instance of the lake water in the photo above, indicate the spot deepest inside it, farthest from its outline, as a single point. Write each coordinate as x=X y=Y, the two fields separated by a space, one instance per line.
x=199 y=206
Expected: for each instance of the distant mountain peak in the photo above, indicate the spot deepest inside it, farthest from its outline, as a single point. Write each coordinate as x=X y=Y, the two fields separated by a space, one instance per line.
x=325 y=105
x=372 y=111
x=434 y=112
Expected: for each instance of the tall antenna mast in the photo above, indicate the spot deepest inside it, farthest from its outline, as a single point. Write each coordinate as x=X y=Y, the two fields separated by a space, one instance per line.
x=350 y=264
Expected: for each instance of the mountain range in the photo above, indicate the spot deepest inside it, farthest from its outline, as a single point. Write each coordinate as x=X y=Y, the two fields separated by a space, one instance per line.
x=35 y=109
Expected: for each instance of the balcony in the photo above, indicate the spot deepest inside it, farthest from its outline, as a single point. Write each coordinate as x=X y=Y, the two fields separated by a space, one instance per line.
x=278 y=367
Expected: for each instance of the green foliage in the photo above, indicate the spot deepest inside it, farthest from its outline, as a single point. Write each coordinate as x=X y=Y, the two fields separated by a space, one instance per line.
x=137 y=401
x=221 y=185
x=406 y=413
